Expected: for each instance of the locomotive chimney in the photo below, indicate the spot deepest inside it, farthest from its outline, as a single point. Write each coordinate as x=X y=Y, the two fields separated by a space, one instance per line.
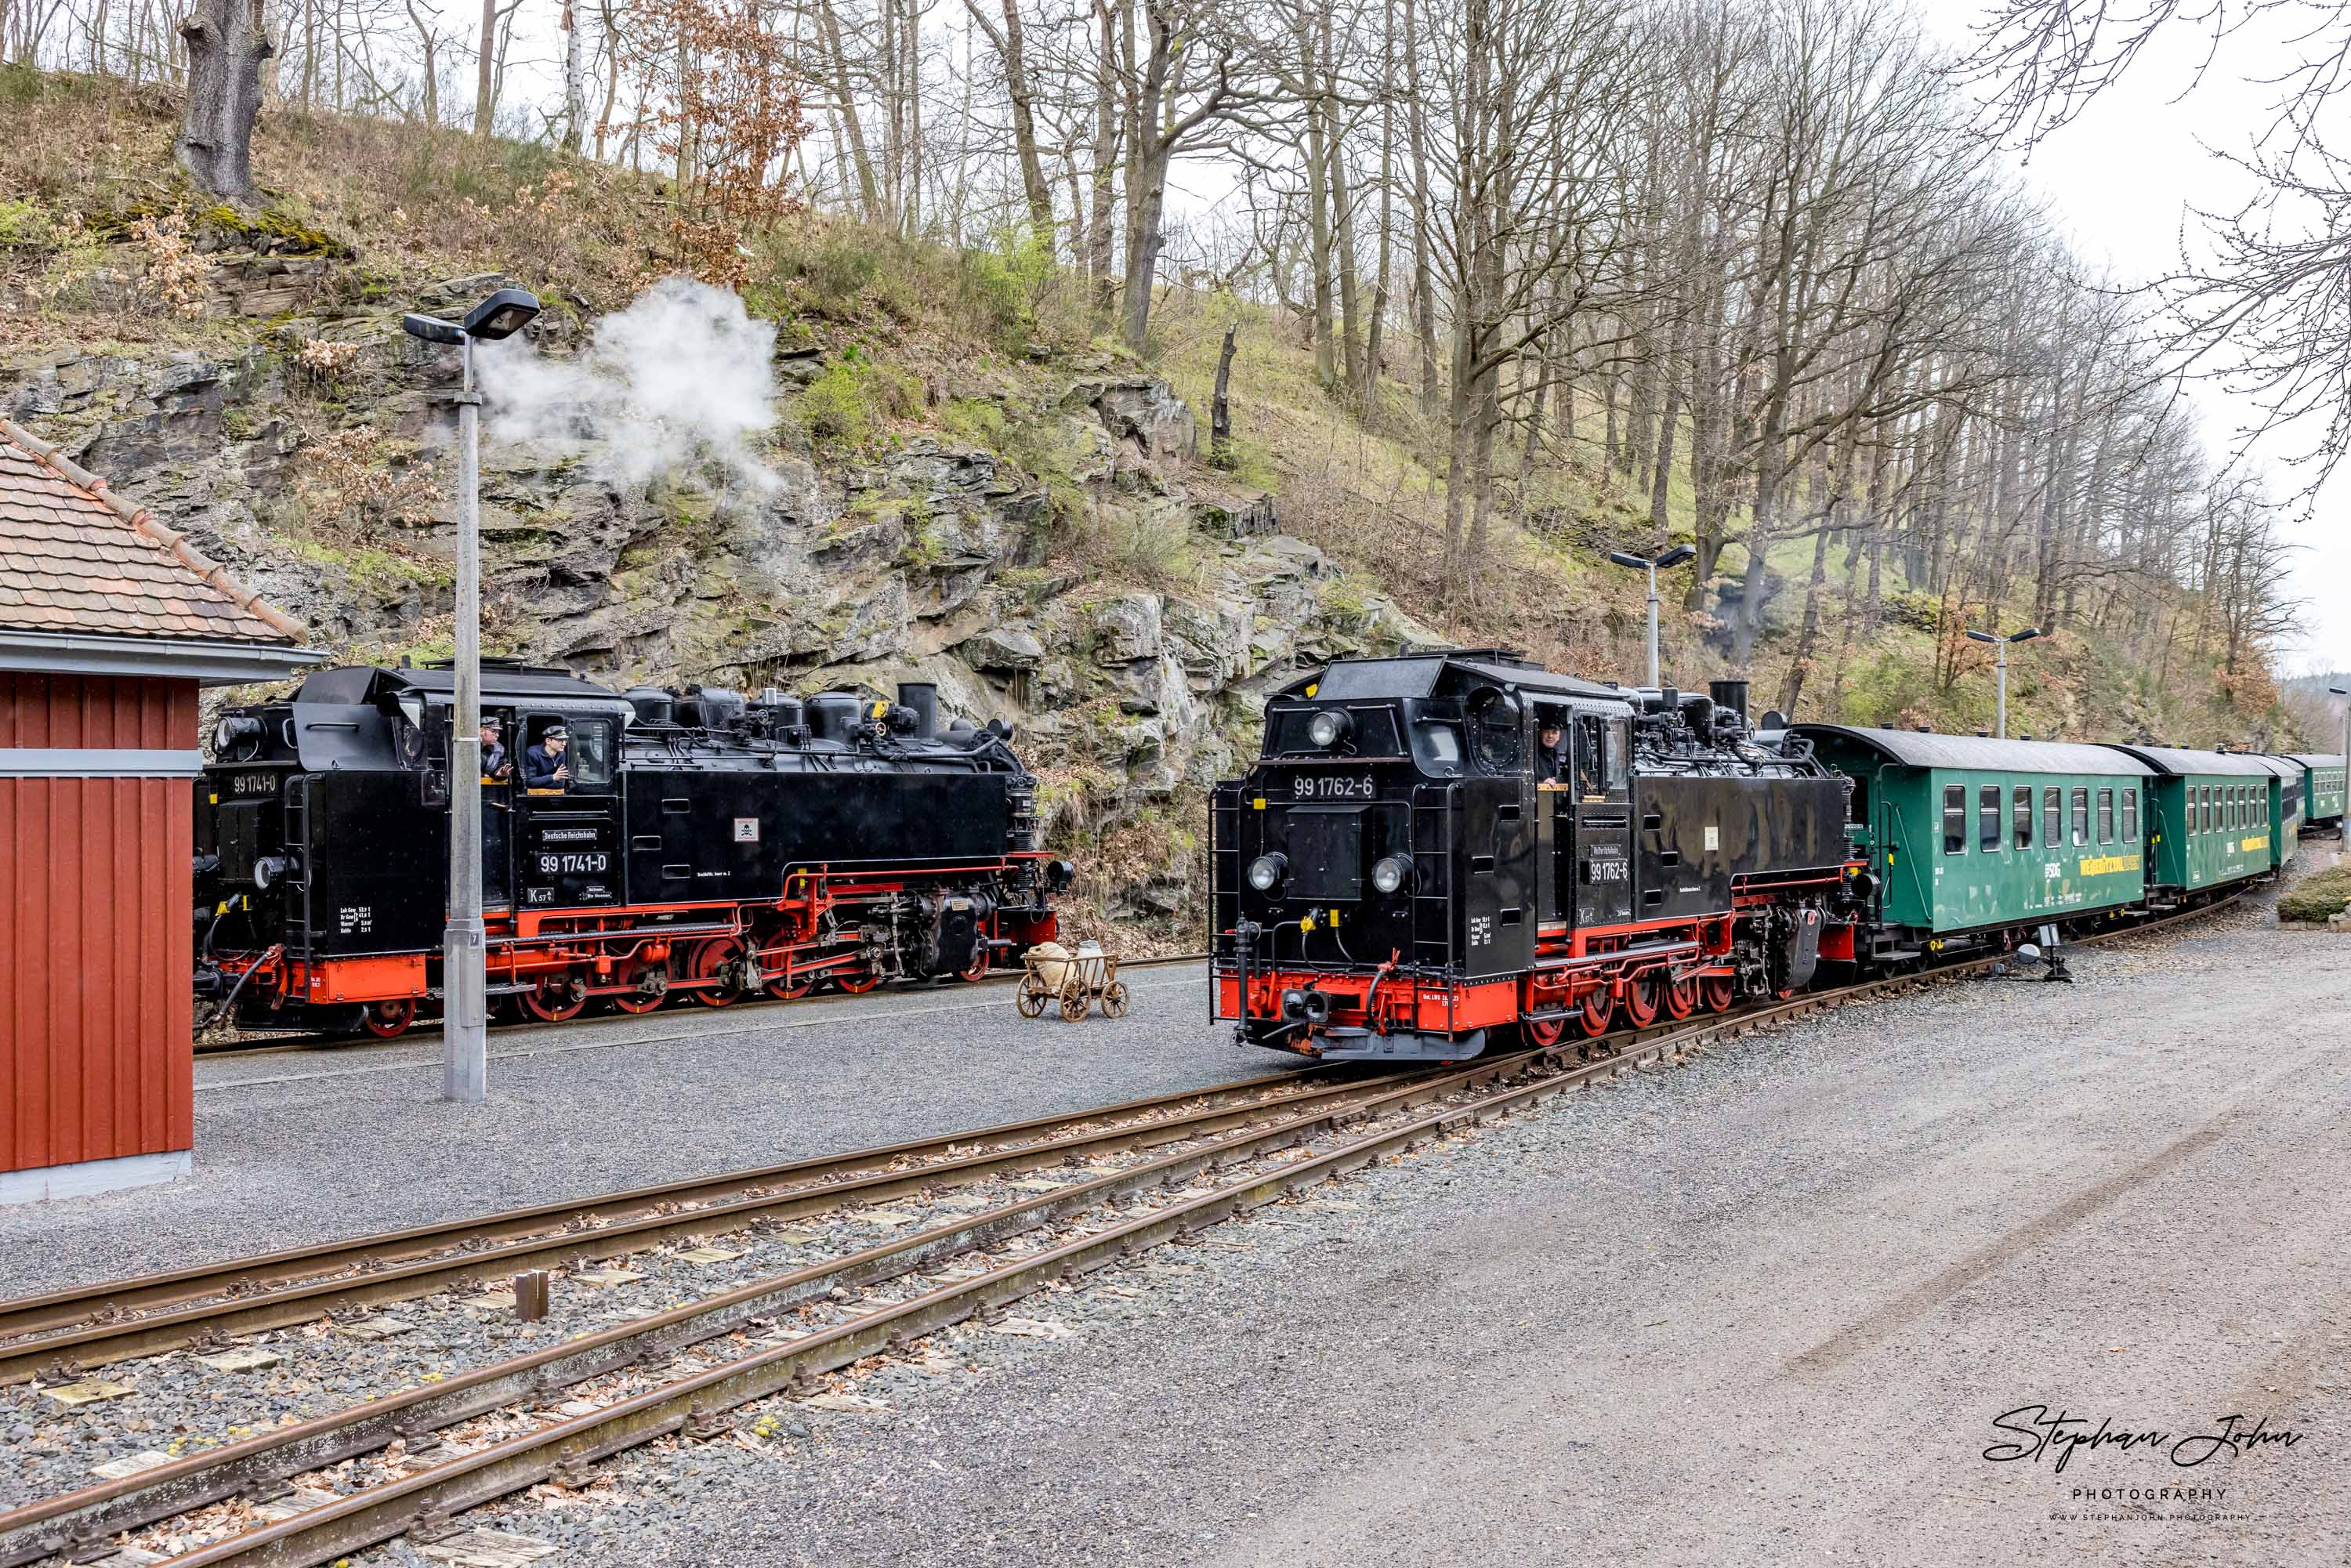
x=1730 y=696
x=924 y=698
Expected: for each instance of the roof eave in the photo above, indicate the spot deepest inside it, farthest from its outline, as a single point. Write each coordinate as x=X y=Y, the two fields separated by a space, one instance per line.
x=206 y=660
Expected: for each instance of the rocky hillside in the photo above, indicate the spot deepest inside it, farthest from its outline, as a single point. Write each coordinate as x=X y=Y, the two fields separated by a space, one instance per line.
x=1123 y=606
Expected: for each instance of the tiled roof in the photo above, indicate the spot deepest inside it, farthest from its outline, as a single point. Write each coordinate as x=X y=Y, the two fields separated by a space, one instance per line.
x=75 y=558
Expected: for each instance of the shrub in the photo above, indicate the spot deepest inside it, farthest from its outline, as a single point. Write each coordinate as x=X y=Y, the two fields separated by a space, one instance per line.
x=843 y=404
x=2316 y=897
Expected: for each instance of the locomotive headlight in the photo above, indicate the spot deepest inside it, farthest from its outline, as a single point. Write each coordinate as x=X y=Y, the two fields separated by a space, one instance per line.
x=1329 y=728
x=1391 y=874
x=268 y=869
x=1265 y=871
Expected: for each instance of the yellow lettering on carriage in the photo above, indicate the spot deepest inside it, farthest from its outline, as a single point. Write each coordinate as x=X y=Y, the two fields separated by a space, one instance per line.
x=2262 y=843
x=2099 y=865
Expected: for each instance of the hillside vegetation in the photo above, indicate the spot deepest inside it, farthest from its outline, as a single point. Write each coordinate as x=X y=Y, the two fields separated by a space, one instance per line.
x=245 y=371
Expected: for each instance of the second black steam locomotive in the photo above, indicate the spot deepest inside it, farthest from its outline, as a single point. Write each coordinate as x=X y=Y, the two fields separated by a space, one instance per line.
x=701 y=845
x=1435 y=847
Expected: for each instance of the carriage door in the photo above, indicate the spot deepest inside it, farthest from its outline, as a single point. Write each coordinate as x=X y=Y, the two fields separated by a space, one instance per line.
x=1604 y=822
x=567 y=833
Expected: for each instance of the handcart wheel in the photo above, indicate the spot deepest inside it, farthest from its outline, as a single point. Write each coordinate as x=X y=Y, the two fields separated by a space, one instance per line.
x=1114 y=1000
x=1033 y=997
x=1073 y=1003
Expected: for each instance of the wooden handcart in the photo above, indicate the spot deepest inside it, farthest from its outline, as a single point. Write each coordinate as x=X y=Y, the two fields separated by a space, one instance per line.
x=1085 y=978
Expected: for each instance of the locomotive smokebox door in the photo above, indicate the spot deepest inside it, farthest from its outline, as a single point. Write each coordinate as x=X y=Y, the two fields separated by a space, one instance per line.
x=1326 y=851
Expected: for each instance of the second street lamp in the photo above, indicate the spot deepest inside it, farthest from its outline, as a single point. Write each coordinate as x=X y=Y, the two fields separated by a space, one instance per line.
x=1671 y=558
x=464 y=1016
x=1999 y=648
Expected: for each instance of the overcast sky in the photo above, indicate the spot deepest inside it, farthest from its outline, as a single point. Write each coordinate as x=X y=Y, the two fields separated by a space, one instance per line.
x=2120 y=176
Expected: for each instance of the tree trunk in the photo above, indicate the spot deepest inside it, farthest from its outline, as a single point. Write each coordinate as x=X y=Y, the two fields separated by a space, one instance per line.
x=1220 y=413
x=225 y=48
x=485 y=71
x=575 y=79
x=852 y=129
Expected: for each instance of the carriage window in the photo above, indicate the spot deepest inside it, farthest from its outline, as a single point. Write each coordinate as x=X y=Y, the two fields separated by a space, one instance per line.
x=2106 y=816
x=2130 y=816
x=1988 y=817
x=2081 y=817
x=1955 y=819
x=2052 y=816
x=2024 y=818
x=2204 y=813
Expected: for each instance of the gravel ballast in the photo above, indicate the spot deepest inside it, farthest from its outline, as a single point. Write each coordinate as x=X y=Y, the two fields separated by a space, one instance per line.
x=1760 y=1308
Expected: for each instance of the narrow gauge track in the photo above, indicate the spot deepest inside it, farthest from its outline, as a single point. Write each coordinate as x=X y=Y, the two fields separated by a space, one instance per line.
x=651 y=1377
x=424 y=1027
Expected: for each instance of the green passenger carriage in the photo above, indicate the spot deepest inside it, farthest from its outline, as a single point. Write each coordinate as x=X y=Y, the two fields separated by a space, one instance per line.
x=1967 y=835
x=2213 y=816
x=2285 y=808
x=2322 y=787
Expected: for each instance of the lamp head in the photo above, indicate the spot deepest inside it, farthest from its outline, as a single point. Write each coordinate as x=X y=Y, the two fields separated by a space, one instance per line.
x=1634 y=562
x=502 y=315
x=2027 y=635
x=1676 y=556
x=1981 y=637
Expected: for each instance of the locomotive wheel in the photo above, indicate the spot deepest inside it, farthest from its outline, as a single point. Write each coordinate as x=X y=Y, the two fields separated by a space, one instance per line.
x=553 y=999
x=714 y=958
x=1544 y=1033
x=978 y=970
x=637 y=1001
x=1641 y=1001
x=1595 y=1015
x=1073 y=1004
x=389 y=1020
x=857 y=982
x=1032 y=998
x=1681 y=998
x=793 y=990
x=1718 y=991
x=1114 y=1000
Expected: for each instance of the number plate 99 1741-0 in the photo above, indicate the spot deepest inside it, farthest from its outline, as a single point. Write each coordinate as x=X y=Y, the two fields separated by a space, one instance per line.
x=1332 y=787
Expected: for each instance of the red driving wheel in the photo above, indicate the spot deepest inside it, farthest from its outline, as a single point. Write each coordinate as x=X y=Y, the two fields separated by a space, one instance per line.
x=712 y=960
x=1719 y=992
x=634 y=1001
x=978 y=971
x=1681 y=998
x=1641 y=1000
x=553 y=999
x=1593 y=1018
x=857 y=982
x=389 y=1020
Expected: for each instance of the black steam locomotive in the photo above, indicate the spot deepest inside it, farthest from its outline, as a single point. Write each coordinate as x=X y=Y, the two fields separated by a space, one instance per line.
x=1431 y=848
x=698 y=845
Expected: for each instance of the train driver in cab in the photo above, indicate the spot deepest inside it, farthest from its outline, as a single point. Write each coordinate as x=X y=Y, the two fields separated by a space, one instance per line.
x=544 y=766
x=1550 y=751
x=497 y=768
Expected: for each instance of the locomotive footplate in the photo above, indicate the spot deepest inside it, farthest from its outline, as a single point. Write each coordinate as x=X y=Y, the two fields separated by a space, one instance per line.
x=1342 y=1042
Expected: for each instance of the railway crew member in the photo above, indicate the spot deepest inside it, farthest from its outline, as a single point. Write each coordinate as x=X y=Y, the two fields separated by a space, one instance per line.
x=1551 y=754
x=543 y=765
x=496 y=766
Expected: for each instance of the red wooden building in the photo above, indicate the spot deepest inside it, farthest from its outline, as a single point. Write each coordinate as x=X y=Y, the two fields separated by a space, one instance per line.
x=108 y=623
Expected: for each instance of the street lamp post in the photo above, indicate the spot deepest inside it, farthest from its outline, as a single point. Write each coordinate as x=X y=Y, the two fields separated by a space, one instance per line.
x=464 y=1016
x=1999 y=648
x=1671 y=558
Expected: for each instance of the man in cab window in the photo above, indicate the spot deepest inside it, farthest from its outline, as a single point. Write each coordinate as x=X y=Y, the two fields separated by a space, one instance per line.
x=496 y=767
x=1550 y=751
x=544 y=766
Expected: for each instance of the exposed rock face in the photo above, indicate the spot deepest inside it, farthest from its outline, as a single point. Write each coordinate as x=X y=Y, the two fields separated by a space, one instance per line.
x=931 y=562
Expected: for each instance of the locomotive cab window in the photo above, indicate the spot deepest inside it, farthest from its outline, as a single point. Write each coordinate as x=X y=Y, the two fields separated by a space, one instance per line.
x=1955 y=819
x=2130 y=816
x=566 y=754
x=1591 y=756
x=1988 y=817
x=2106 y=816
x=2025 y=817
x=1494 y=722
x=1619 y=754
x=2081 y=816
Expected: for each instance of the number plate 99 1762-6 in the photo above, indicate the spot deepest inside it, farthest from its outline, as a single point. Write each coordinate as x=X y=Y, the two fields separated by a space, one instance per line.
x=1331 y=787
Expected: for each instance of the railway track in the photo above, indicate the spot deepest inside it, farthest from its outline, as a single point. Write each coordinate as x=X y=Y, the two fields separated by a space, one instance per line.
x=426 y=1029
x=426 y=1454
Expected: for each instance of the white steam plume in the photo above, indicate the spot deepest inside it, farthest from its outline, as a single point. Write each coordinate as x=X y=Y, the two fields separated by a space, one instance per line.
x=682 y=377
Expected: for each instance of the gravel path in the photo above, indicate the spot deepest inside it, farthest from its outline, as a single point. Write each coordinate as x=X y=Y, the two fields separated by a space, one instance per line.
x=1762 y=1308
x=301 y=1147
